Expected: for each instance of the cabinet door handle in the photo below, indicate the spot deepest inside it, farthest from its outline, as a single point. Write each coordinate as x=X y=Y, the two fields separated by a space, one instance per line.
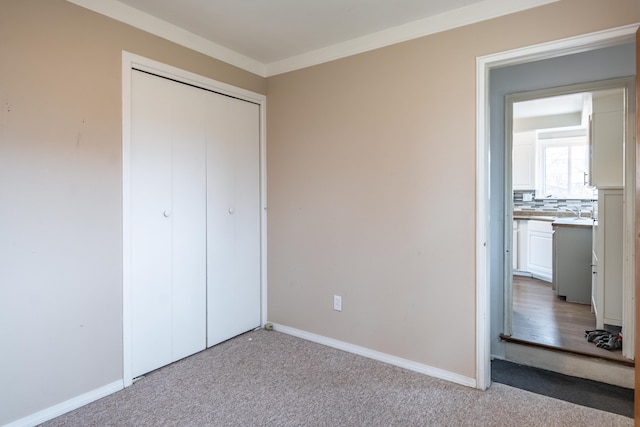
x=166 y=214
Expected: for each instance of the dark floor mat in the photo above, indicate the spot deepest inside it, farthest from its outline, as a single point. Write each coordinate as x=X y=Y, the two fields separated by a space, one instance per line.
x=605 y=397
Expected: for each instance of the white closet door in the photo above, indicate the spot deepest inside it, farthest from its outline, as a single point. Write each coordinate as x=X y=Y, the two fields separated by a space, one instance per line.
x=189 y=216
x=168 y=179
x=233 y=218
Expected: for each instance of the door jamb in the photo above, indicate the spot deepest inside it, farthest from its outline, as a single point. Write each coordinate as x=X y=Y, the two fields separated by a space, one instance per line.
x=132 y=61
x=484 y=64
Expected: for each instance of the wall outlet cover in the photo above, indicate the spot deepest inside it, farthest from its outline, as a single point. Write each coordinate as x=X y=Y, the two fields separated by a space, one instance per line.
x=337 y=302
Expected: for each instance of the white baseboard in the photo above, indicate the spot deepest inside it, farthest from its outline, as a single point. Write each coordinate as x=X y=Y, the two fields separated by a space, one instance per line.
x=376 y=355
x=67 y=406
x=91 y=396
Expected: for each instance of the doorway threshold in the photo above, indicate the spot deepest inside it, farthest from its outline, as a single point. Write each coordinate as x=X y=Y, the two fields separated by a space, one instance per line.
x=594 y=394
x=604 y=357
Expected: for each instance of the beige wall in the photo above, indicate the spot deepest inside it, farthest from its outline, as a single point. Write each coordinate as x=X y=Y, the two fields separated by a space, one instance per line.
x=60 y=196
x=371 y=185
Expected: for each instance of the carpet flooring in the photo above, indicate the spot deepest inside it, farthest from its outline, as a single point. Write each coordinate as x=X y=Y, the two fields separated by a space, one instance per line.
x=272 y=379
x=618 y=400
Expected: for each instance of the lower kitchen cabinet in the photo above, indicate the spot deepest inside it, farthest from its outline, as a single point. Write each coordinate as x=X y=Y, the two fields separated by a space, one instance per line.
x=539 y=249
x=572 y=260
x=514 y=246
x=607 y=258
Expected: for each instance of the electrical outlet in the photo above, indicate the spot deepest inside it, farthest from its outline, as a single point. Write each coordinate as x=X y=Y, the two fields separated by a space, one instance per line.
x=337 y=303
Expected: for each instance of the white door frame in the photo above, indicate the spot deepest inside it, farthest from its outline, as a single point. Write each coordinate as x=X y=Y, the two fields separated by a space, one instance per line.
x=484 y=65
x=129 y=62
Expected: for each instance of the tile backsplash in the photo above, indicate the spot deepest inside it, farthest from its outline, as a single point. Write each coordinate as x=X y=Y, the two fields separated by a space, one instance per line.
x=548 y=205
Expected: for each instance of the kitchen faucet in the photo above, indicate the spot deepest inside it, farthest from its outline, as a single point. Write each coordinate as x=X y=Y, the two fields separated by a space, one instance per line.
x=577 y=211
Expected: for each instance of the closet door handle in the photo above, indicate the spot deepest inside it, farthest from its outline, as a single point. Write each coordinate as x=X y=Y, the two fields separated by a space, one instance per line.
x=166 y=214
x=231 y=211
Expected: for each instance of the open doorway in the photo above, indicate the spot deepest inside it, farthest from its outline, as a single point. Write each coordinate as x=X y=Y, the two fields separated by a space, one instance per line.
x=598 y=56
x=565 y=257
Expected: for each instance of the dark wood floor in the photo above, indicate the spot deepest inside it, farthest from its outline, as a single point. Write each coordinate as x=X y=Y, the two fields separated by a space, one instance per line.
x=540 y=317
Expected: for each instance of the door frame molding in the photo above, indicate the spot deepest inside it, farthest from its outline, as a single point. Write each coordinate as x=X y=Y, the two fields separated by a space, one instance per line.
x=130 y=62
x=484 y=65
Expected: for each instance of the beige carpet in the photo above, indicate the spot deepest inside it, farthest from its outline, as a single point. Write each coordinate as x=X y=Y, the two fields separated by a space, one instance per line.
x=272 y=379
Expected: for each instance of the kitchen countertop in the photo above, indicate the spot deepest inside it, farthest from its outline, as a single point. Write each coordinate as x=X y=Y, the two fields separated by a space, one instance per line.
x=556 y=217
x=534 y=217
x=573 y=222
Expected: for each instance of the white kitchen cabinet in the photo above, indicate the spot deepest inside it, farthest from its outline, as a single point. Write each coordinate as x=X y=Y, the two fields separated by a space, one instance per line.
x=607 y=258
x=523 y=245
x=514 y=245
x=523 y=163
x=540 y=249
x=572 y=260
x=606 y=135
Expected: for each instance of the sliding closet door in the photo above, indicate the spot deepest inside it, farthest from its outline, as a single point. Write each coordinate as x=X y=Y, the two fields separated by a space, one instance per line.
x=233 y=217
x=168 y=221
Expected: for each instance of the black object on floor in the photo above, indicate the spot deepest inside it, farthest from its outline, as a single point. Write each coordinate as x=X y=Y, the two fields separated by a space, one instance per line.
x=606 y=397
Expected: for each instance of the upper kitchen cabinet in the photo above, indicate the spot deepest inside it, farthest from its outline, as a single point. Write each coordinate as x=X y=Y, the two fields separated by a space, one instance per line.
x=524 y=149
x=607 y=139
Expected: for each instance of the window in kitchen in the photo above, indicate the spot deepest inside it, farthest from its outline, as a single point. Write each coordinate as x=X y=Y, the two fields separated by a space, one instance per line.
x=552 y=132
x=563 y=165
